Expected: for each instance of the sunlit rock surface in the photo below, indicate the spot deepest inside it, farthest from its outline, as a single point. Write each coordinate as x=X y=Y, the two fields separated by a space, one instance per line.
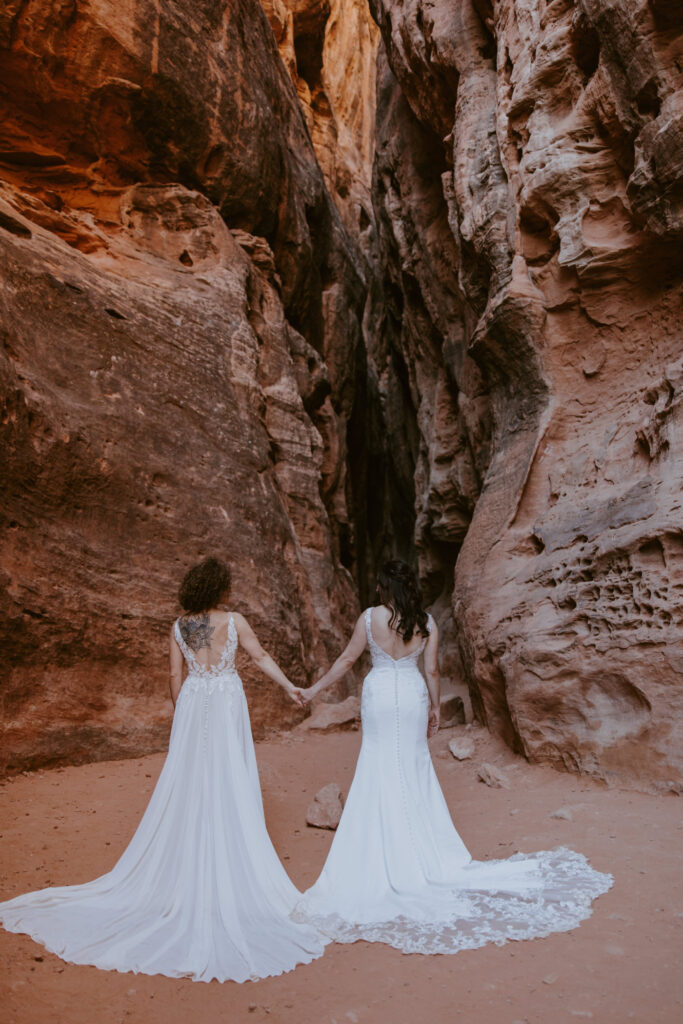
x=330 y=50
x=174 y=275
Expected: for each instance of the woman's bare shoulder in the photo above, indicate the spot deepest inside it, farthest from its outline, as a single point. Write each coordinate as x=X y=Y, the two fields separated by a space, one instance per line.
x=381 y=613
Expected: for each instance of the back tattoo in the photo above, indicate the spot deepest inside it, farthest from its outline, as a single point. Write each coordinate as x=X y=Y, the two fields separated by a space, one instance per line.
x=197 y=631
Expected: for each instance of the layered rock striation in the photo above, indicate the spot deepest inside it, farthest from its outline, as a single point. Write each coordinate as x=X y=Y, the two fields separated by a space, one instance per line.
x=528 y=185
x=330 y=50
x=181 y=328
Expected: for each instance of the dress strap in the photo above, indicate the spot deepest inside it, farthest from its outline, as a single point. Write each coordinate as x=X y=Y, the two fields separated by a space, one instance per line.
x=368 y=626
x=228 y=651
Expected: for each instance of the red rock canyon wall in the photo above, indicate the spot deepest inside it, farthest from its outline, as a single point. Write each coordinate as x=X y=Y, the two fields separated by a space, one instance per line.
x=528 y=185
x=181 y=327
x=247 y=308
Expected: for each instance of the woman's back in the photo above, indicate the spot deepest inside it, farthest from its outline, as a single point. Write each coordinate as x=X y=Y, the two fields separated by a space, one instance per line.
x=388 y=638
x=206 y=636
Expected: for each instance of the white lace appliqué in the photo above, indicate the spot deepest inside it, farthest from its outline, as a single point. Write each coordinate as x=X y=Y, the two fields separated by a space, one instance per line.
x=210 y=678
x=565 y=887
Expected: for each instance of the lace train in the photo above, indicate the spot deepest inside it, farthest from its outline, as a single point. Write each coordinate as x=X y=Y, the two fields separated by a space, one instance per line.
x=450 y=920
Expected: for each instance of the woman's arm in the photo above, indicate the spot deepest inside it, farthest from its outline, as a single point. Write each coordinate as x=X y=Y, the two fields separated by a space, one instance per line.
x=344 y=662
x=431 y=663
x=177 y=662
x=250 y=643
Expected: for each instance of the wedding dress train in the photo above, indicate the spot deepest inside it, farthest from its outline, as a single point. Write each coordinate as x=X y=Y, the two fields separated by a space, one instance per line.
x=199 y=892
x=399 y=873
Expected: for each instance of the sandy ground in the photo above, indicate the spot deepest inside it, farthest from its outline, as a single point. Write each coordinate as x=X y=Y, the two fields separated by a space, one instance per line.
x=622 y=964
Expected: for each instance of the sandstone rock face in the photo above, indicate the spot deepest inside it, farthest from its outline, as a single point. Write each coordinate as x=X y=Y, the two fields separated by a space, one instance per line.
x=330 y=50
x=452 y=712
x=221 y=334
x=530 y=215
x=174 y=275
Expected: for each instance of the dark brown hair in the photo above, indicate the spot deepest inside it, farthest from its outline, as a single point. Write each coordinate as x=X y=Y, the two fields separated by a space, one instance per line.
x=398 y=590
x=204 y=585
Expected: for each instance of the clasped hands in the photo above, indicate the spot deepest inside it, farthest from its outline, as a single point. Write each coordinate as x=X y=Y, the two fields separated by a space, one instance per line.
x=302 y=698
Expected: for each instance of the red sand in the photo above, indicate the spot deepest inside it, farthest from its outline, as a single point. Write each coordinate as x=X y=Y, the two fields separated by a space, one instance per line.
x=622 y=964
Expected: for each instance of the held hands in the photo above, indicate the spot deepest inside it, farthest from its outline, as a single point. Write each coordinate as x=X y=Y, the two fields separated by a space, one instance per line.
x=432 y=722
x=297 y=695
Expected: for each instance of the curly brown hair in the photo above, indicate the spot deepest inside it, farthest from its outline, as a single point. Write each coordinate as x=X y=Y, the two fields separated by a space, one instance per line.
x=204 y=585
x=399 y=590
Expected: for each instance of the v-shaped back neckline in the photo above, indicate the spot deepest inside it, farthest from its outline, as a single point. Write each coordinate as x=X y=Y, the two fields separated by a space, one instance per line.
x=418 y=650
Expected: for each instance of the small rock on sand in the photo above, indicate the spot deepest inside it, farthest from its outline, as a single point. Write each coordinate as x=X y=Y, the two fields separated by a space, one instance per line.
x=562 y=812
x=461 y=747
x=493 y=776
x=326 y=808
x=327 y=717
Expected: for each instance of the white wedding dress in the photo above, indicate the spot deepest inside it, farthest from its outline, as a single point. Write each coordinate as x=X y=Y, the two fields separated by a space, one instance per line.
x=399 y=873
x=199 y=892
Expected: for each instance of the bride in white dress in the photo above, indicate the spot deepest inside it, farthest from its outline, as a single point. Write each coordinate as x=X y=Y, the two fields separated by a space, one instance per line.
x=199 y=892
x=397 y=871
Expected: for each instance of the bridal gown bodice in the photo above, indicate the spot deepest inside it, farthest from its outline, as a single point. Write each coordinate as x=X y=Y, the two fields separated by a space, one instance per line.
x=398 y=872
x=199 y=891
x=221 y=675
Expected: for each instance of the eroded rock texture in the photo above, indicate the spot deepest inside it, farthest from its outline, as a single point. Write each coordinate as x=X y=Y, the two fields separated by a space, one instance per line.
x=181 y=310
x=222 y=333
x=529 y=199
x=330 y=50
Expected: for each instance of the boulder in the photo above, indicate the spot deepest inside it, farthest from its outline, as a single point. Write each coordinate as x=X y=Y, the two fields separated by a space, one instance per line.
x=333 y=717
x=461 y=747
x=493 y=776
x=325 y=809
x=452 y=712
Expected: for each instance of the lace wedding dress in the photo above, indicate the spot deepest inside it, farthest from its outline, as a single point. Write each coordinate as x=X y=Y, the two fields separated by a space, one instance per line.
x=399 y=873
x=200 y=891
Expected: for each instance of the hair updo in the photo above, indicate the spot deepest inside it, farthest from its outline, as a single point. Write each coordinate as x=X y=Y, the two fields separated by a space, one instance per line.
x=399 y=591
x=204 y=585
